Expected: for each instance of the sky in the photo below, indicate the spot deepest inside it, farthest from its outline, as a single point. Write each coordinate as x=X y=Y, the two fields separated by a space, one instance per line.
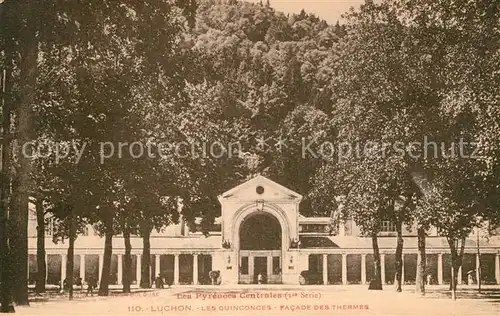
x=329 y=10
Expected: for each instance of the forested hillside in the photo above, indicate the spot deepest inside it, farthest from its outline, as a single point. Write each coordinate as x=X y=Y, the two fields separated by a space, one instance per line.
x=266 y=74
x=91 y=91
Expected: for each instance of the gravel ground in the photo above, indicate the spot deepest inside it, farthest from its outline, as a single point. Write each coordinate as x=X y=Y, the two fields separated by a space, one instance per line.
x=274 y=300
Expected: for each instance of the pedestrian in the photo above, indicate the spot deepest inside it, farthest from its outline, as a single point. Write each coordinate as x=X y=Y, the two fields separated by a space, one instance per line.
x=259 y=278
x=169 y=281
x=159 y=282
x=470 y=278
x=79 y=283
x=92 y=284
x=62 y=286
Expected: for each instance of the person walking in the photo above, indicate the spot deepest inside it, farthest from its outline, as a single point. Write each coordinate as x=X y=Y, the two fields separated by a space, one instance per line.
x=92 y=284
x=159 y=282
x=79 y=283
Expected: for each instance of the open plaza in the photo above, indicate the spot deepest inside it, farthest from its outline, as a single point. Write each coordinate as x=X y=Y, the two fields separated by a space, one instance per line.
x=253 y=299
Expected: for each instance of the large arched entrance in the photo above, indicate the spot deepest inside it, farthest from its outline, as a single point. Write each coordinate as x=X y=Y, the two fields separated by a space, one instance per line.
x=260 y=246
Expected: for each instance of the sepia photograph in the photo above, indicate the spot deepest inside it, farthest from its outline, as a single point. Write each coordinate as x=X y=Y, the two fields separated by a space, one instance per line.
x=243 y=157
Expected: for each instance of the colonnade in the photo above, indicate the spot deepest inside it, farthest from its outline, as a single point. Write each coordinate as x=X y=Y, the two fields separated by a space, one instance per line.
x=82 y=268
x=439 y=280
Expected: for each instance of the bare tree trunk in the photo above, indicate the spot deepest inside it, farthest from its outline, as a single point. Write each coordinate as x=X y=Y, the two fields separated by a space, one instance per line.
x=421 y=265
x=456 y=263
x=19 y=239
x=6 y=269
x=23 y=116
x=127 y=260
x=71 y=256
x=453 y=283
x=108 y=251
x=399 y=257
x=146 y=255
x=40 y=248
x=8 y=18
x=478 y=272
x=376 y=283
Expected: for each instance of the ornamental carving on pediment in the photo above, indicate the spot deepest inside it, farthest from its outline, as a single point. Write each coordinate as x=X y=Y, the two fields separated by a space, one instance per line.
x=226 y=244
x=294 y=243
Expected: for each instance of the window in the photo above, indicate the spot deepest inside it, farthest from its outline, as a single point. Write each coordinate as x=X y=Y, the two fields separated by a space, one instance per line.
x=276 y=265
x=244 y=265
x=49 y=227
x=388 y=226
x=260 y=190
x=314 y=228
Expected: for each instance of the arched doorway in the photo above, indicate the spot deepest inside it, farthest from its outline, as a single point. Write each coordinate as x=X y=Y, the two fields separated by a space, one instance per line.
x=260 y=245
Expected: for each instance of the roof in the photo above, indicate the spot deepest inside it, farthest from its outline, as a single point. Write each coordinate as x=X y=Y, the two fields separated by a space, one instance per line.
x=314 y=220
x=190 y=243
x=332 y=242
x=261 y=179
x=214 y=242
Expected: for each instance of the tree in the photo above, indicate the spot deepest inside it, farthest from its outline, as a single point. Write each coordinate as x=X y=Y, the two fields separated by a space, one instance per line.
x=21 y=184
x=365 y=203
x=461 y=42
x=453 y=205
x=8 y=14
x=116 y=72
x=377 y=112
x=68 y=225
x=40 y=245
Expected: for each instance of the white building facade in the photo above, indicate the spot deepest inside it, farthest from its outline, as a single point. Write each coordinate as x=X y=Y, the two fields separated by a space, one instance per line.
x=261 y=232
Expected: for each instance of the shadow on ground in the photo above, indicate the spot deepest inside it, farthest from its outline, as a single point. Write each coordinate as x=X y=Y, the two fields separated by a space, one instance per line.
x=54 y=294
x=491 y=295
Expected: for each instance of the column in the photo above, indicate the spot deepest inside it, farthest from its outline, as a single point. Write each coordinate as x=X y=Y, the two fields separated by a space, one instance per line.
x=403 y=269
x=459 y=276
x=269 y=268
x=157 y=265
x=195 y=269
x=344 y=269
x=64 y=261
x=251 y=268
x=363 y=269
x=120 y=269
x=138 y=269
x=382 y=268
x=325 y=269
x=82 y=266
x=419 y=258
x=46 y=267
x=176 y=269
x=497 y=268
x=440 y=268
x=101 y=264
x=478 y=266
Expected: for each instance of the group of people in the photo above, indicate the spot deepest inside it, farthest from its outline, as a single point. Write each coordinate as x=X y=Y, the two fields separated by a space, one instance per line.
x=160 y=282
x=91 y=284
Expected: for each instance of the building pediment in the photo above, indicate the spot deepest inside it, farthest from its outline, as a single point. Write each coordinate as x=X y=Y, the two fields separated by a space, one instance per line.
x=260 y=188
